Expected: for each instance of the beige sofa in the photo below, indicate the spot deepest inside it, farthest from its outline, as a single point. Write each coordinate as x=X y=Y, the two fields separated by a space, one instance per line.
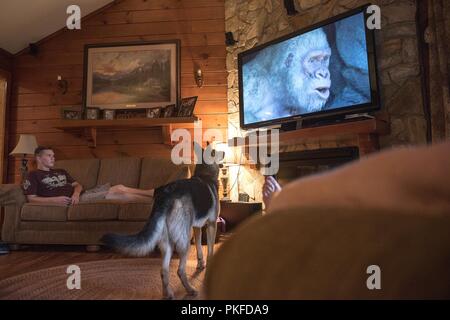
x=85 y=223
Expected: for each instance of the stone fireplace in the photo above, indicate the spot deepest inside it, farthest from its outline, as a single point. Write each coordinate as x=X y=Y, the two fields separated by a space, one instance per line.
x=298 y=164
x=304 y=151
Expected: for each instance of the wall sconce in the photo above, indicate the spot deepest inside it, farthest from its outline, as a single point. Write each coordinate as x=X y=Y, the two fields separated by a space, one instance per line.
x=229 y=39
x=290 y=7
x=199 y=77
x=62 y=84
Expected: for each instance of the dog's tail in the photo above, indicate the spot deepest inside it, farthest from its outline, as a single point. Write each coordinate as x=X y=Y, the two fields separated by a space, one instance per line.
x=144 y=242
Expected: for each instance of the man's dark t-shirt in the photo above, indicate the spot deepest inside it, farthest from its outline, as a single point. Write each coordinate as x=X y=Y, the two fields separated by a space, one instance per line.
x=52 y=183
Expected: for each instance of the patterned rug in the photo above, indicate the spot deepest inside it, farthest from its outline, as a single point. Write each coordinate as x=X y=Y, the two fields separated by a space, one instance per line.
x=106 y=279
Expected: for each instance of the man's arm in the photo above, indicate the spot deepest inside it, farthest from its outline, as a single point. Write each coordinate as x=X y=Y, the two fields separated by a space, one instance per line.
x=56 y=200
x=76 y=192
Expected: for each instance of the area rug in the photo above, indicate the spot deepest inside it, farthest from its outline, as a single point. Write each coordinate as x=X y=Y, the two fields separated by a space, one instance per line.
x=100 y=280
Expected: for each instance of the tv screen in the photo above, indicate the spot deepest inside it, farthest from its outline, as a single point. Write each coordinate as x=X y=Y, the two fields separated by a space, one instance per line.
x=325 y=70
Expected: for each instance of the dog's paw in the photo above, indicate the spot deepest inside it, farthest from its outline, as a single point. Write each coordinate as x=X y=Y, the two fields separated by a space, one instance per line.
x=169 y=296
x=192 y=292
x=201 y=265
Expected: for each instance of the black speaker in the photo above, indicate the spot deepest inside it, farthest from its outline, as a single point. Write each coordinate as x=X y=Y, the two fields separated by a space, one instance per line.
x=33 y=49
x=290 y=7
x=229 y=40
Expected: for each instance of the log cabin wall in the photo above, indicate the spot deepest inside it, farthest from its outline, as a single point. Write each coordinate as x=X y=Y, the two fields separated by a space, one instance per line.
x=5 y=94
x=5 y=60
x=37 y=101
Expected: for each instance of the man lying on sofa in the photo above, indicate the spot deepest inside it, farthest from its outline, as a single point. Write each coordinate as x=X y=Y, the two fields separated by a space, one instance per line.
x=49 y=185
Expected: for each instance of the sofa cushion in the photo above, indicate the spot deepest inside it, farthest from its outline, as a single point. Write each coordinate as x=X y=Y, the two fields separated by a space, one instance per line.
x=120 y=171
x=156 y=172
x=84 y=171
x=135 y=211
x=94 y=211
x=43 y=212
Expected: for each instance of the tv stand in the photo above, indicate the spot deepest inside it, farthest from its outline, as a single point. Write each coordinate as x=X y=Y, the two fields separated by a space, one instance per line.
x=311 y=123
x=358 y=116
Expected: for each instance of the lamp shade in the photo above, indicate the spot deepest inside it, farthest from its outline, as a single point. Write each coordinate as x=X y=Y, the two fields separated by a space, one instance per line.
x=26 y=145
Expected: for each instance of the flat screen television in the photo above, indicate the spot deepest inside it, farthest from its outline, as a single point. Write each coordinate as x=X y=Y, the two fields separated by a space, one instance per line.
x=325 y=70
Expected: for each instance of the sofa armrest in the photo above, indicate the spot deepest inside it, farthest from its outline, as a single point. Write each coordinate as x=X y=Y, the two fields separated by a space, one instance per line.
x=324 y=253
x=11 y=194
x=12 y=198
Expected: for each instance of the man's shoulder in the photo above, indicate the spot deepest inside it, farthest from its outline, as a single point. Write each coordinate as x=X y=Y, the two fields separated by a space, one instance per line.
x=36 y=175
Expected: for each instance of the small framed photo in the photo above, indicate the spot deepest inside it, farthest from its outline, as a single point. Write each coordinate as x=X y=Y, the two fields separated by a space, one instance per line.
x=92 y=113
x=72 y=113
x=154 y=112
x=187 y=107
x=109 y=114
x=169 y=111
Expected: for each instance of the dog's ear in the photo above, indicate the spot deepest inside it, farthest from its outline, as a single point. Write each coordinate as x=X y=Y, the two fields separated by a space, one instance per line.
x=210 y=149
x=197 y=146
x=198 y=151
x=209 y=146
x=221 y=155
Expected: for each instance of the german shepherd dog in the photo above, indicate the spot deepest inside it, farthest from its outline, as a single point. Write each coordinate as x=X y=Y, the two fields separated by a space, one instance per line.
x=178 y=207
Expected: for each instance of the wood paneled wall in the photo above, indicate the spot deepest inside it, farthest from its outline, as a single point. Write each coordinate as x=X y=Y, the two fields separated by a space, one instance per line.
x=37 y=102
x=6 y=59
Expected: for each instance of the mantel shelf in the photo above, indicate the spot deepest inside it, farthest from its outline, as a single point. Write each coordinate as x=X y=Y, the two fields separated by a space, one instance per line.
x=120 y=123
x=89 y=127
x=365 y=131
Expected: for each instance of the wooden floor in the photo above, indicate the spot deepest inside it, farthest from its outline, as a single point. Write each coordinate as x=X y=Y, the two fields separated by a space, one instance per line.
x=32 y=258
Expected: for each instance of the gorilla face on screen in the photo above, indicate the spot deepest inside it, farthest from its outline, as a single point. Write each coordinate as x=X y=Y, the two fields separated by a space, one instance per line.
x=289 y=78
x=308 y=79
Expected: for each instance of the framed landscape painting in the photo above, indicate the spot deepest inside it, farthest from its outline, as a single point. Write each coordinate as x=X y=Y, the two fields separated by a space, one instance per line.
x=131 y=75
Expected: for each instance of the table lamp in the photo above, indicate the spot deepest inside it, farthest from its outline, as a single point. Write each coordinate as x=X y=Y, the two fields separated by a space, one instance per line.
x=26 y=146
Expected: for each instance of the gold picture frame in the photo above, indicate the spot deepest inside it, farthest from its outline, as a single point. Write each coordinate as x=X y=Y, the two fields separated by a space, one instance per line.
x=131 y=75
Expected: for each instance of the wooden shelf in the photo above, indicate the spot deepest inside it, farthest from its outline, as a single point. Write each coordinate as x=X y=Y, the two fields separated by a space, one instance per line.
x=120 y=123
x=89 y=128
x=365 y=131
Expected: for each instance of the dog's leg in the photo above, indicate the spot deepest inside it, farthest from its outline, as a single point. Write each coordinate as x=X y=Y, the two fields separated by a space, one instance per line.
x=198 y=246
x=166 y=252
x=183 y=252
x=211 y=239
